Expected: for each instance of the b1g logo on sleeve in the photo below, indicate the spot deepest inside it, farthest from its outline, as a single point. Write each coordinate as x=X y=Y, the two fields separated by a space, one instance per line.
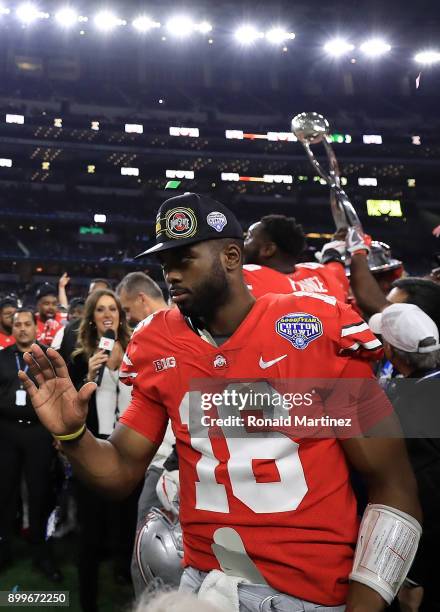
x=164 y=364
x=299 y=328
x=180 y=223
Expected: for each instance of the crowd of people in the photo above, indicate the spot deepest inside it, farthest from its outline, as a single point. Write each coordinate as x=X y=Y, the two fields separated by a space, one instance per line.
x=266 y=520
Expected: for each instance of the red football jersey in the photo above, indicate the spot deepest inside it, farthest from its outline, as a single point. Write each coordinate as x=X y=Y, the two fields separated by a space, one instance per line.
x=47 y=331
x=289 y=500
x=6 y=340
x=329 y=279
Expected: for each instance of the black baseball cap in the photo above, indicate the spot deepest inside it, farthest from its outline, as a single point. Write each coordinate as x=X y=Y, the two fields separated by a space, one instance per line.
x=9 y=300
x=192 y=218
x=45 y=289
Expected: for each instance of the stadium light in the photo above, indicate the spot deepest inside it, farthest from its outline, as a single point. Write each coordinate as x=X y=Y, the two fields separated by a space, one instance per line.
x=143 y=23
x=4 y=10
x=180 y=174
x=277 y=36
x=278 y=178
x=281 y=136
x=184 y=131
x=230 y=176
x=374 y=47
x=234 y=134
x=367 y=182
x=129 y=171
x=372 y=139
x=338 y=47
x=66 y=17
x=14 y=119
x=99 y=218
x=28 y=13
x=247 y=34
x=107 y=21
x=180 y=26
x=134 y=128
x=428 y=57
x=5 y=163
x=204 y=27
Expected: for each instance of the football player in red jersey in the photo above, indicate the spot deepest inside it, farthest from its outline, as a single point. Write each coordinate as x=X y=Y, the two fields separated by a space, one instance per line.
x=49 y=319
x=271 y=250
x=8 y=306
x=264 y=519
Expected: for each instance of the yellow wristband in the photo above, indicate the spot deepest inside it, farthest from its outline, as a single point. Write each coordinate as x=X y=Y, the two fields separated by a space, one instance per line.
x=72 y=436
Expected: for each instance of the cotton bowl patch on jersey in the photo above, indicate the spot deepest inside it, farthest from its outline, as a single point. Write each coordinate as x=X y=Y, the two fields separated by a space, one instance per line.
x=180 y=223
x=299 y=328
x=217 y=220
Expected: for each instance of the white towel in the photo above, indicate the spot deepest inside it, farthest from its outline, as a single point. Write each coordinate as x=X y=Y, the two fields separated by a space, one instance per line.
x=221 y=590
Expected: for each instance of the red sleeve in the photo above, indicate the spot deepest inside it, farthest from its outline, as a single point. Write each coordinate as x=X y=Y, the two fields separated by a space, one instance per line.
x=356 y=338
x=358 y=399
x=337 y=272
x=147 y=417
x=145 y=414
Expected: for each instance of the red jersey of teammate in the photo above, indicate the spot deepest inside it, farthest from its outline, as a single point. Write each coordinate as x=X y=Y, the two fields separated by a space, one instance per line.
x=6 y=340
x=47 y=330
x=289 y=501
x=329 y=279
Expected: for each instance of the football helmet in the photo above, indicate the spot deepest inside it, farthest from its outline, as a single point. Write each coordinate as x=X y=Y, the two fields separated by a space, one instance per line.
x=159 y=549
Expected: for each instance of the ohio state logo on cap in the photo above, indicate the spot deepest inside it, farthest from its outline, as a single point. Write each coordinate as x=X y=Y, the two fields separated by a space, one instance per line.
x=180 y=223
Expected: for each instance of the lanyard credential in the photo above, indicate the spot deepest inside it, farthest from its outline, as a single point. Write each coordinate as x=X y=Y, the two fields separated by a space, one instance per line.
x=20 y=394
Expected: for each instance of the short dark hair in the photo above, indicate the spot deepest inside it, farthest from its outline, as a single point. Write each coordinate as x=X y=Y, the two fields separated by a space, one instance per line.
x=139 y=282
x=8 y=300
x=286 y=233
x=76 y=303
x=423 y=293
x=104 y=281
x=27 y=310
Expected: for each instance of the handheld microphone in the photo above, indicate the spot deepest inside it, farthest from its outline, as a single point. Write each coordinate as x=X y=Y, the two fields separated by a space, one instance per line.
x=107 y=343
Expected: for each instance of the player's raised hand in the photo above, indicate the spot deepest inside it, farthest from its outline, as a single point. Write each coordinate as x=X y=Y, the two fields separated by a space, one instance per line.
x=356 y=241
x=60 y=408
x=64 y=280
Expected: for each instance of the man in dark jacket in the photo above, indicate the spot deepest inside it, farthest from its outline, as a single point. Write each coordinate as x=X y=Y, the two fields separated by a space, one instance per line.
x=25 y=448
x=411 y=343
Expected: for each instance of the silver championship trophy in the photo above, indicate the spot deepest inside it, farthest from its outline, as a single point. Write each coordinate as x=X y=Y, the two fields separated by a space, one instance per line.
x=311 y=129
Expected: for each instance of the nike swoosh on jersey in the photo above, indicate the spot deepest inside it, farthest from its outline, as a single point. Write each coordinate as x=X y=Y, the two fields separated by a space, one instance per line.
x=267 y=364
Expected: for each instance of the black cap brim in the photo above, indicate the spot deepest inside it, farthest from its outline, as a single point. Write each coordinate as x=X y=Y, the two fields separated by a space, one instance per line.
x=173 y=244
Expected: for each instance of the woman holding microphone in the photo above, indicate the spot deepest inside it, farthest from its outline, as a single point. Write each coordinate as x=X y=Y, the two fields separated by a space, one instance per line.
x=105 y=525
